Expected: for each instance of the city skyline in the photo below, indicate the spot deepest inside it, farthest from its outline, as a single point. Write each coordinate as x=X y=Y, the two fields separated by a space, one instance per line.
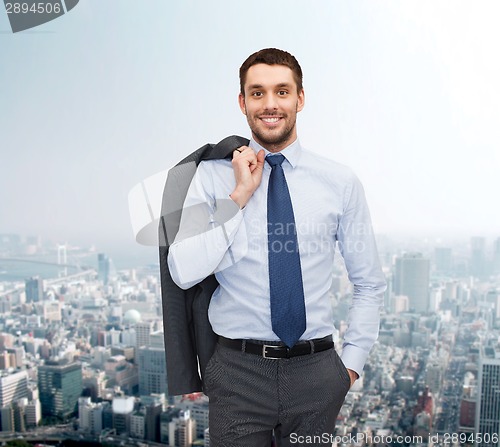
x=405 y=94
x=424 y=377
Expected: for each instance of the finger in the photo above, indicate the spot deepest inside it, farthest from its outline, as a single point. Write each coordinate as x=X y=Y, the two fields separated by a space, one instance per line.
x=261 y=158
x=252 y=161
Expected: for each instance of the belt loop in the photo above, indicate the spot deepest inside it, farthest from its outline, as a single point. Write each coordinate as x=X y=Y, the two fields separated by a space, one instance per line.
x=243 y=345
x=311 y=344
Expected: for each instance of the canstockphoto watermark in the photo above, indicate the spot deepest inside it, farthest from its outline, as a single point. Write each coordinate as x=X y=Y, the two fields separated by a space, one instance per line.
x=329 y=439
x=26 y=14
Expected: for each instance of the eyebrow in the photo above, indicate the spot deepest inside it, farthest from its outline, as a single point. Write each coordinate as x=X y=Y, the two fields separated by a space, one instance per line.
x=254 y=86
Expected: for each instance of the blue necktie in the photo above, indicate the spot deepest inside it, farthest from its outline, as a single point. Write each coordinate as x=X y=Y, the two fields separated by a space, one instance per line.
x=288 y=313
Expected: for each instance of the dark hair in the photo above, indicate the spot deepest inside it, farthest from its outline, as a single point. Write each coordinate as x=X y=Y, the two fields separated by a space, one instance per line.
x=271 y=56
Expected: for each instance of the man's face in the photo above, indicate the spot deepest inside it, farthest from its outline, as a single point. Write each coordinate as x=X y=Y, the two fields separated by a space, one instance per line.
x=271 y=103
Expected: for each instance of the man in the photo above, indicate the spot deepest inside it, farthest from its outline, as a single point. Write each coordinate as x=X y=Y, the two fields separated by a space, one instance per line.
x=274 y=368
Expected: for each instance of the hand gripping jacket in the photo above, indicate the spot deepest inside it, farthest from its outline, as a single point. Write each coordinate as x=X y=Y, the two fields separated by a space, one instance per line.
x=189 y=338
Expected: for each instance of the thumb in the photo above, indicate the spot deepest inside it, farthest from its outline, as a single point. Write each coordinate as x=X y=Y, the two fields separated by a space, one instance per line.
x=261 y=156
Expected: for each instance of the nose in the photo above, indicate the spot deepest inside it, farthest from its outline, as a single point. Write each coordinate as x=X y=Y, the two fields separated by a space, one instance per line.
x=270 y=102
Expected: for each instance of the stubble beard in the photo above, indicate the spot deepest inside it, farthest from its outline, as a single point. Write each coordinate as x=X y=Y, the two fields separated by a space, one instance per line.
x=271 y=139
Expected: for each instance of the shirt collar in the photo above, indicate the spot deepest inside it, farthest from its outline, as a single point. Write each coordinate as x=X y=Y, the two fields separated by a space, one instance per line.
x=291 y=152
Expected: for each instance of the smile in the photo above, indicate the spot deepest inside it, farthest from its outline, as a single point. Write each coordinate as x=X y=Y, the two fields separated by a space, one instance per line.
x=271 y=120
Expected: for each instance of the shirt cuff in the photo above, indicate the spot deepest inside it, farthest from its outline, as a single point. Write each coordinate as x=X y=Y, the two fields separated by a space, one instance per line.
x=354 y=358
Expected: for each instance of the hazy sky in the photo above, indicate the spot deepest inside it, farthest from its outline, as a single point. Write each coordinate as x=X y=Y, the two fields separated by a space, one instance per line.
x=405 y=93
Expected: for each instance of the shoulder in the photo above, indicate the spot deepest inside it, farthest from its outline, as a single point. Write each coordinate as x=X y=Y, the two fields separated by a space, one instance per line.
x=327 y=168
x=215 y=168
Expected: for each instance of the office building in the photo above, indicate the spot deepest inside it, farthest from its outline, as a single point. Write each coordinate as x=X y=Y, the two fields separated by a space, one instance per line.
x=152 y=371
x=60 y=386
x=33 y=413
x=411 y=278
x=13 y=386
x=103 y=268
x=138 y=424
x=182 y=430
x=143 y=331
x=477 y=263
x=7 y=419
x=496 y=256
x=122 y=412
x=34 y=290
x=90 y=415
x=152 y=422
x=488 y=407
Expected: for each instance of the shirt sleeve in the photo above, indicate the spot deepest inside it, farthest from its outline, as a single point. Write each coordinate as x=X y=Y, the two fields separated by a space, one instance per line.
x=207 y=229
x=357 y=245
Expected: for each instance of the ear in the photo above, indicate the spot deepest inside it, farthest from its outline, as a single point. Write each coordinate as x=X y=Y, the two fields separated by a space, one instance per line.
x=241 y=102
x=301 y=100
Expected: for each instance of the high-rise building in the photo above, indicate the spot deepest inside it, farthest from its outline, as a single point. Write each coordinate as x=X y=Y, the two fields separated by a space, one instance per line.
x=6 y=341
x=122 y=411
x=488 y=407
x=103 y=267
x=152 y=370
x=90 y=415
x=182 y=430
x=143 y=332
x=496 y=256
x=34 y=290
x=411 y=278
x=152 y=421
x=7 y=419
x=477 y=265
x=138 y=424
x=165 y=418
x=198 y=407
x=13 y=386
x=33 y=412
x=19 y=415
x=60 y=386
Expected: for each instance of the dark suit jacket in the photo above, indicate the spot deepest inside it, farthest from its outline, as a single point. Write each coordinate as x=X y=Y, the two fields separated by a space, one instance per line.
x=189 y=338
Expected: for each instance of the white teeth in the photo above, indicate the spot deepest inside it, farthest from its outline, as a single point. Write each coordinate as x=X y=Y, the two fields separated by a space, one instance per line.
x=270 y=120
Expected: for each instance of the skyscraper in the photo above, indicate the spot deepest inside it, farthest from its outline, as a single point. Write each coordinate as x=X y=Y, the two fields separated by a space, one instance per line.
x=152 y=367
x=488 y=408
x=34 y=290
x=477 y=266
x=411 y=278
x=60 y=386
x=143 y=331
x=496 y=256
x=104 y=267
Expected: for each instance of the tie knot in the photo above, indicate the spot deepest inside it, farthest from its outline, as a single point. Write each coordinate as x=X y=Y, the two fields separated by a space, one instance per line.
x=275 y=160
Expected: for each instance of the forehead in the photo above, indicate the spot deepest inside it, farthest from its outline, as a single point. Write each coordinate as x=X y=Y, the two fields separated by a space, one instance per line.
x=264 y=75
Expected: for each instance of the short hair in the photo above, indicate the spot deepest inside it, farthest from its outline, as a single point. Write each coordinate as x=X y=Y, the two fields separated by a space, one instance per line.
x=271 y=56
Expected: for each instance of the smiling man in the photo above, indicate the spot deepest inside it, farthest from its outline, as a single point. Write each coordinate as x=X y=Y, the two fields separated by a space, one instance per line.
x=275 y=368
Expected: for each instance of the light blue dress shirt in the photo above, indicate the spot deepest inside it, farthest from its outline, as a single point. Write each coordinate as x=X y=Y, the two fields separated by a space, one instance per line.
x=329 y=207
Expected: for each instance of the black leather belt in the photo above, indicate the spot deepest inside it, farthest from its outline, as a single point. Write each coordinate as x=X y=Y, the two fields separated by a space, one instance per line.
x=269 y=350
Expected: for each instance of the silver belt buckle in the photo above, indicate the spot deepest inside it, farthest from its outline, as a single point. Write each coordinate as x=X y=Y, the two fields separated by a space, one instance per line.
x=264 y=352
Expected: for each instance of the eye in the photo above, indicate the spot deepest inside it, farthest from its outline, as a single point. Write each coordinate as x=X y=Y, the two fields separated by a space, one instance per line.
x=257 y=94
x=282 y=93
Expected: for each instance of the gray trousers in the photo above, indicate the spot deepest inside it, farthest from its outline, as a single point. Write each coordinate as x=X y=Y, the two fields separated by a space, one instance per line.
x=251 y=396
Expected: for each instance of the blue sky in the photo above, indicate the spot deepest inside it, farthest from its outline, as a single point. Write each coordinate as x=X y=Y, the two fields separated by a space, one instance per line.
x=406 y=93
